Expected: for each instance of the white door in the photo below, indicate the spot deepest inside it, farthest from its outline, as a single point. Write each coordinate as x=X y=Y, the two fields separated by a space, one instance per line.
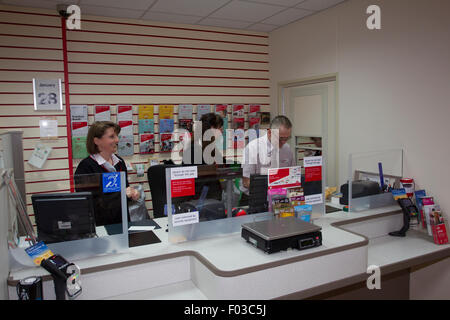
x=312 y=111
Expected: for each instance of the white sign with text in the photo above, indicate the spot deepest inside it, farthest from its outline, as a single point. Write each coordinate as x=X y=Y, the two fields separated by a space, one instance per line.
x=181 y=219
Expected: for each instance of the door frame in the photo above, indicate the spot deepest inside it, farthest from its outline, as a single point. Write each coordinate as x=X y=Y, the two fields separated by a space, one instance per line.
x=315 y=80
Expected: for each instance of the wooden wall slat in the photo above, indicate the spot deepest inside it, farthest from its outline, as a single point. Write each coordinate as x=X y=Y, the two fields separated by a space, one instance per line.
x=86 y=37
x=133 y=79
x=149 y=60
x=184 y=32
x=117 y=48
x=16 y=40
x=29 y=53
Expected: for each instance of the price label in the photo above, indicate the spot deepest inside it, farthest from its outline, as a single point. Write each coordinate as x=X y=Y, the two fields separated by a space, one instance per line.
x=47 y=94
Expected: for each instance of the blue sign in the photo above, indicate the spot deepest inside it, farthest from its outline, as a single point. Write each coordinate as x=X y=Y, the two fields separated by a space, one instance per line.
x=111 y=182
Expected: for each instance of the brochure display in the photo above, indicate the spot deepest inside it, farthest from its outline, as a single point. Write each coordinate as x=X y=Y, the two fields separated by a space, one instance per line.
x=79 y=124
x=202 y=109
x=102 y=113
x=126 y=139
x=185 y=116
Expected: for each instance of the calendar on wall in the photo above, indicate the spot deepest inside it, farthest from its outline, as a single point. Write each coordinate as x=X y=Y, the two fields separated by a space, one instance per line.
x=47 y=94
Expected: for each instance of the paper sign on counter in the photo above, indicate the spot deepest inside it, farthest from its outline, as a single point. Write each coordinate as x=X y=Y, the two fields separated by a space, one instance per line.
x=314 y=199
x=181 y=219
x=312 y=161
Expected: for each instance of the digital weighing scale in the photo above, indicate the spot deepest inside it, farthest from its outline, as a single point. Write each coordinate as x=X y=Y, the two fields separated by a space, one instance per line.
x=281 y=234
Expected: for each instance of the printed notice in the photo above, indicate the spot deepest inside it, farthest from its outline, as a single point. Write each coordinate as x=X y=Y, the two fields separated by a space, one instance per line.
x=313 y=174
x=48 y=128
x=312 y=162
x=184 y=173
x=314 y=199
x=313 y=168
x=182 y=187
x=182 y=219
x=102 y=113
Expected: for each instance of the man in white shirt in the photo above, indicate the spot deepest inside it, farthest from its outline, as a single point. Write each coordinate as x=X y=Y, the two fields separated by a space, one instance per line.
x=268 y=151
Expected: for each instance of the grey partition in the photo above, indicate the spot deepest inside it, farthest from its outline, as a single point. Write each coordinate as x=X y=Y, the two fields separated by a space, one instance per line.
x=90 y=221
x=384 y=167
x=208 y=202
x=208 y=210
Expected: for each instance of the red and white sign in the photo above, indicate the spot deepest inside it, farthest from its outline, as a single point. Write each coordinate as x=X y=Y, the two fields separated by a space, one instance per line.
x=284 y=177
x=102 y=113
x=126 y=128
x=79 y=128
x=182 y=188
x=182 y=182
x=124 y=113
x=313 y=168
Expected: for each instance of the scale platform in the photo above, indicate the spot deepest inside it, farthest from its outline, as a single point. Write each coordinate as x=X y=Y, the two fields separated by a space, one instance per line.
x=281 y=234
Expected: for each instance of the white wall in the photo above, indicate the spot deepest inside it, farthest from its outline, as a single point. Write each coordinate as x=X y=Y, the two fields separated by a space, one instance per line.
x=393 y=86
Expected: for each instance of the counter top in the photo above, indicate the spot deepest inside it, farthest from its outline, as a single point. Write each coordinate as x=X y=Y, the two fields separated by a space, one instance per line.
x=358 y=237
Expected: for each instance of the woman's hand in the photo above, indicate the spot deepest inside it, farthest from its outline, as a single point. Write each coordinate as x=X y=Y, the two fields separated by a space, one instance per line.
x=133 y=193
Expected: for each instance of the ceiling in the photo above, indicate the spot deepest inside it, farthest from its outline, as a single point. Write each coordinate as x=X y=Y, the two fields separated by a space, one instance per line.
x=254 y=15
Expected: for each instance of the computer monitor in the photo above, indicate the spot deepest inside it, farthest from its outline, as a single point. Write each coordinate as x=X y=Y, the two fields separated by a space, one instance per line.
x=64 y=216
x=257 y=201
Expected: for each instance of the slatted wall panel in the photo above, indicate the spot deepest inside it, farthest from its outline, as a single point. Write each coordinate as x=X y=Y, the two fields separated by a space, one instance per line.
x=31 y=47
x=122 y=62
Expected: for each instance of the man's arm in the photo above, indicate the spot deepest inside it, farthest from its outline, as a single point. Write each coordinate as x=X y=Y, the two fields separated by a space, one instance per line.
x=246 y=182
x=294 y=163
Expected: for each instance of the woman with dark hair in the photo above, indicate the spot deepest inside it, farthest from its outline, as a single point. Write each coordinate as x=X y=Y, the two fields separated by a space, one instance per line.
x=211 y=129
x=212 y=125
x=101 y=144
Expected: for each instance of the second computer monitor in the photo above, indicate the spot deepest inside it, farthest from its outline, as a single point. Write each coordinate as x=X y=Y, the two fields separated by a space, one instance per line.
x=64 y=216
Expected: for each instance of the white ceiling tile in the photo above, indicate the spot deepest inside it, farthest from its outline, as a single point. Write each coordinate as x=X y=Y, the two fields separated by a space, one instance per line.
x=287 y=16
x=128 y=4
x=262 y=27
x=224 y=23
x=188 y=7
x=167 y=17
x=45 y=4
x=246 y=11
x=110 y=12
x=258 y=15
x=283 y=3
x=318 y=5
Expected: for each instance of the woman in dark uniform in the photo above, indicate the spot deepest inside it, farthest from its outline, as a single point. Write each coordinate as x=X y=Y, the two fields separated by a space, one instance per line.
x=101 y=144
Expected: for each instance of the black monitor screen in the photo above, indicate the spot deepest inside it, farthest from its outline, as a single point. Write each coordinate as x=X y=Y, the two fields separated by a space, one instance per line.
x=64 y=216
